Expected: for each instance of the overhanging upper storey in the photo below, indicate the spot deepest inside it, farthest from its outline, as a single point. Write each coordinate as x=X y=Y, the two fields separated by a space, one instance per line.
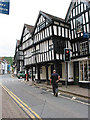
x=48 y=25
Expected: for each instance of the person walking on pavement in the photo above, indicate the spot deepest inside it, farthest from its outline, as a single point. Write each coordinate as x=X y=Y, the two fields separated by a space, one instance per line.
x=55 y=78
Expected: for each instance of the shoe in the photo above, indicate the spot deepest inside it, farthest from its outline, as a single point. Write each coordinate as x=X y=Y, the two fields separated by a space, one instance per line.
x=56 y=94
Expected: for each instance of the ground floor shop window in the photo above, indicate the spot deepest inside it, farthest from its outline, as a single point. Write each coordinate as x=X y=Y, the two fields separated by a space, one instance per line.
x=84 y=70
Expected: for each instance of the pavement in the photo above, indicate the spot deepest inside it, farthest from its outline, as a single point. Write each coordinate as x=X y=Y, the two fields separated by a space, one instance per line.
x=71 y=90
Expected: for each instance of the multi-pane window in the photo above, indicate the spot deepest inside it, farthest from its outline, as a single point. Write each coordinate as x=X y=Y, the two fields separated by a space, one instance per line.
x=20 y=53
x=42 y=25
x=85 y=70
x=79 y=24
x=84 y=48
x=80 y=21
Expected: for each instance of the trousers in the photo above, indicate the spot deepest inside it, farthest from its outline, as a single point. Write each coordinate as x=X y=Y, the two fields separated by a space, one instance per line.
x=55 y=89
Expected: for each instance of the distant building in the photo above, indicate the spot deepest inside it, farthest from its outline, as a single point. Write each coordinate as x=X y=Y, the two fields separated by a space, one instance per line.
x=8 y=68
x=3 y=66
x=18 y=58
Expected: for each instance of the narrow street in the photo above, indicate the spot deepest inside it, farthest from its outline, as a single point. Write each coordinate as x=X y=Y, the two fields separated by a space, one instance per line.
x=42 y=102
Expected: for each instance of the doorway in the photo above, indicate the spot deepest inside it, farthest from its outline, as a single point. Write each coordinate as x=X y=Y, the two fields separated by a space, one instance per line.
x=76 y=73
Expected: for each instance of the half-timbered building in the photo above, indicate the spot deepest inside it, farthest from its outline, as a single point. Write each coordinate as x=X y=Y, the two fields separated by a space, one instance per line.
x=28 y=48
x=18 y=58
x=50 y=36
x=78 y=16
x=43 y=46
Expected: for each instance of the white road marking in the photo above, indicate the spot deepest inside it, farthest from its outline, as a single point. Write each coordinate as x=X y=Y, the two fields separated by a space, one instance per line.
x=73 y=100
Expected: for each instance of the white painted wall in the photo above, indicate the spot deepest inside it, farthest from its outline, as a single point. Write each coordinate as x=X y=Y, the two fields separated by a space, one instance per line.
x=5 y=65
x=70 y=72
x=43 y=74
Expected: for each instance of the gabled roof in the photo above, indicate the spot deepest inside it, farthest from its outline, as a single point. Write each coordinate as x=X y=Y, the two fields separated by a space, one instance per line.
x=52 y=17
x=72 y=5
x=49 y=17
x=69 y=10
x=29 y=27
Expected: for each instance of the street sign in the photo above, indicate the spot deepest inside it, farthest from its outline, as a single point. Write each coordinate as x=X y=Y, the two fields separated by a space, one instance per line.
x=4 y=6
x=86 y=35
x=67 y=54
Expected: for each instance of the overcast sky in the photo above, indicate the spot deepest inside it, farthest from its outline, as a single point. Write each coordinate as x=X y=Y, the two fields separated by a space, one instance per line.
x=25 y=11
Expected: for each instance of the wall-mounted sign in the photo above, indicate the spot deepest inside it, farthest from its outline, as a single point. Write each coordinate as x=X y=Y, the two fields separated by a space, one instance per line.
x=4 y=6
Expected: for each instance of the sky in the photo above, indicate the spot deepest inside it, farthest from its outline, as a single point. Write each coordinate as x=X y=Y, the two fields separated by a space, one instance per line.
x=25 y=11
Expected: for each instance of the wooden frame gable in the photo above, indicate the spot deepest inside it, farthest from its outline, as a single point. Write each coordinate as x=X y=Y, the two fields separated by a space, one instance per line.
x=27 y=30
x=75 y=3
x=42 y=21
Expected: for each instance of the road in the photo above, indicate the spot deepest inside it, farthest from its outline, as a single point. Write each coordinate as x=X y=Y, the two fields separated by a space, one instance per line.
x=39 y=102
x=9 y=108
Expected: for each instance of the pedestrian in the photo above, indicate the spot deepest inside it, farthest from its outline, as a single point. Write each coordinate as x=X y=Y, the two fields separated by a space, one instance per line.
x=55 y=78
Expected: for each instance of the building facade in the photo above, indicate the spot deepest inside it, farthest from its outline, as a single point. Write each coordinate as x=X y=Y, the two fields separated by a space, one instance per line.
x=43 y=45
x=3 y=66
x=78 y=16
x=18 y=58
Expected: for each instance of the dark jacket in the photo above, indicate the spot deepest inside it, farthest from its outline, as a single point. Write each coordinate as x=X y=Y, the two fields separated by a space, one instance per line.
x=54 y=78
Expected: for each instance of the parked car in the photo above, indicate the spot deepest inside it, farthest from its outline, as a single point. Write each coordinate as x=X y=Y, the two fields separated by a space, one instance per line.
x=21 y=74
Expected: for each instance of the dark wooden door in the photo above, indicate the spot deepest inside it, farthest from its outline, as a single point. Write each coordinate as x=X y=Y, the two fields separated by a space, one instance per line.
x=76 y=73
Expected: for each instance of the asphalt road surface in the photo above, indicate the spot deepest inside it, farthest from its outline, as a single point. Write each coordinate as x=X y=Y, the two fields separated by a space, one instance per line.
x=38 y=101
x=9 y=108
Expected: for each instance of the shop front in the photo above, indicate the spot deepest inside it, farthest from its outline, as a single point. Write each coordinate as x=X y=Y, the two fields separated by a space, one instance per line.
x=84 y=73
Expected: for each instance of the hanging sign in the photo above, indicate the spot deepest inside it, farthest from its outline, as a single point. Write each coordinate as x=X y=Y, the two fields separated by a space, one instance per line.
x=86 y=35
x=4 y=6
